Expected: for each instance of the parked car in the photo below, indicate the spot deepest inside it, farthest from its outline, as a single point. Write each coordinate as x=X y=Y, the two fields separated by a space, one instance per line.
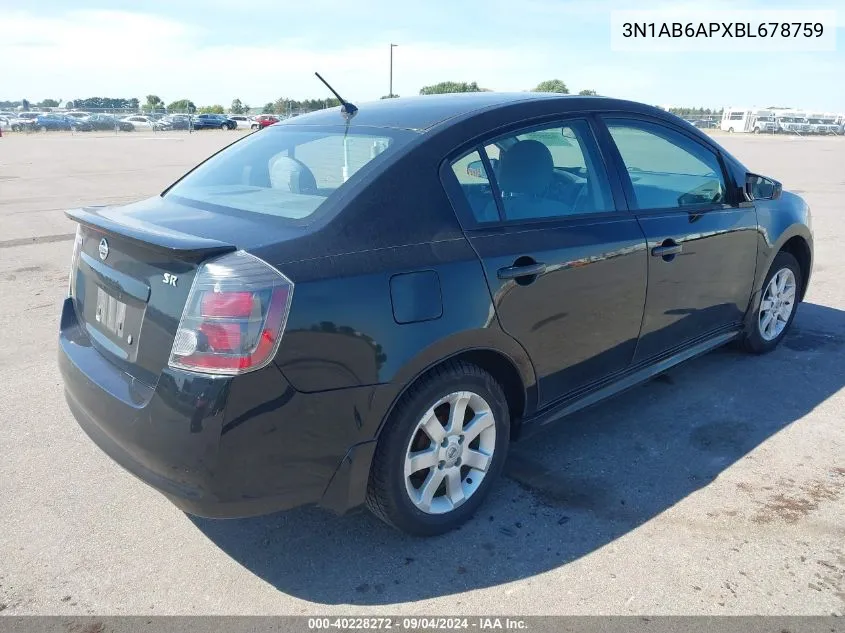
x=178 y=121
x=77 y=115
x=242 y=121
x=269 y=332
x=102 y=121
x=264 y=120
x=141 y=122
x=23 y=120
x=6 y=119
x=54 y=122
x=215 y=121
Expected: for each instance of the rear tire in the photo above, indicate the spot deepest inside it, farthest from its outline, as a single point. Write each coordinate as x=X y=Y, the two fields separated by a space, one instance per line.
x=778 y=305
x=442 y=448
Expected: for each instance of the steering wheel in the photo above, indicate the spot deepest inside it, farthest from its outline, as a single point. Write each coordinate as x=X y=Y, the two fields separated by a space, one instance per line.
x=560 y=187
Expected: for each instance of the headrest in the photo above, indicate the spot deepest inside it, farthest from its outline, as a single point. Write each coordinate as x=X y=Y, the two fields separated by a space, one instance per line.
x=526 y=167
x=290 y=174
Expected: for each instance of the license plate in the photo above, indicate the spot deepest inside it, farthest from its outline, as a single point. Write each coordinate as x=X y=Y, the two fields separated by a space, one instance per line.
x=110 y=314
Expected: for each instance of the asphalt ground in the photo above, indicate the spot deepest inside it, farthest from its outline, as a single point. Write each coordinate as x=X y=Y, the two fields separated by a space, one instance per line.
x=718 y=488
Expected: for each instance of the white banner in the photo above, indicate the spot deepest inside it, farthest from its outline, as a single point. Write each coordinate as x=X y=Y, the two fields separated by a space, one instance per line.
x=717 y=31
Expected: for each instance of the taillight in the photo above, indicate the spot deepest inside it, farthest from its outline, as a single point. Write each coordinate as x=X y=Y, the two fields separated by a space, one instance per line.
x=74 y=258
x=234 y=317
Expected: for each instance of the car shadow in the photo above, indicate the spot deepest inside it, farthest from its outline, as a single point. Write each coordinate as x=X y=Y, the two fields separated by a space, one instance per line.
x=570 y=489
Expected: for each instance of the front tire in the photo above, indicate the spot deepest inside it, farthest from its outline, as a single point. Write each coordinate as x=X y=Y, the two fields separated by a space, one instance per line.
x=442 y=448
x=778 y=305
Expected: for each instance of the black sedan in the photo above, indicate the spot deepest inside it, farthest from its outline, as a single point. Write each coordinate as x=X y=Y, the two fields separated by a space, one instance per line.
x=369 y=307
x=178 y=121
x=104 y=122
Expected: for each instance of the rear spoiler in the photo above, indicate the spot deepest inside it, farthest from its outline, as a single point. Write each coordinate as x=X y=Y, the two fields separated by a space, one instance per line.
x=174 y=243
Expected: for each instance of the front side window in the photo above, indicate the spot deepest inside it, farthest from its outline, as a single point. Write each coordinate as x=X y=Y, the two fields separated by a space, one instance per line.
x=286 y=171
x=667 y=169
x=550 y=172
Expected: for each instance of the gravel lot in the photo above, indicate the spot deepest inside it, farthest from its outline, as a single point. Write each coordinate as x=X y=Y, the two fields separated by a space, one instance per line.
x=716 y=489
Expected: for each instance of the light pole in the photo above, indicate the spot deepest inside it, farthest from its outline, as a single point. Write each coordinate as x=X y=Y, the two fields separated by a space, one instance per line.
x=392 y=46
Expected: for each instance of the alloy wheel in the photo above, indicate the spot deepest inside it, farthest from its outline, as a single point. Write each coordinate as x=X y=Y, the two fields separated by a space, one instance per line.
x=450 y=452
x=777 y=304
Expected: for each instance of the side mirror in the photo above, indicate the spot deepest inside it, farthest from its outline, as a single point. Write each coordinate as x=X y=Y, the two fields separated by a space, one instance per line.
x=476 y=168
x=762 y=188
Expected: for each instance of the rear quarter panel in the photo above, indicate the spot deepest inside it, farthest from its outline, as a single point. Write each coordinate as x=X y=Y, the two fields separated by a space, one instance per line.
x=343 y=331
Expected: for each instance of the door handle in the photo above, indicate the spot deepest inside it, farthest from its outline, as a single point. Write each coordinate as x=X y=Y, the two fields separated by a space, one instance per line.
x=527 y=270
x=667 y=250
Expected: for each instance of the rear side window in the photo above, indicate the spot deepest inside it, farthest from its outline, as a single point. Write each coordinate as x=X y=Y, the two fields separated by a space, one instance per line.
x=667 y=169
x=286 y=171
x=538 y=173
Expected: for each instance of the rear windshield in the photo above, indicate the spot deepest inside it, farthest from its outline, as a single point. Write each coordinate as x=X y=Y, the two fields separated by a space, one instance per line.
x=286 y=171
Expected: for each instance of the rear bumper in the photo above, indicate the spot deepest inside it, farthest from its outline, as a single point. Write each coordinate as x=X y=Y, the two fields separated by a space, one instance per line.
x=220 y=447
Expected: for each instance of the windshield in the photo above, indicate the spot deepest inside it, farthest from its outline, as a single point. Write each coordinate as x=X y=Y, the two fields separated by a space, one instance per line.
x=286 y=171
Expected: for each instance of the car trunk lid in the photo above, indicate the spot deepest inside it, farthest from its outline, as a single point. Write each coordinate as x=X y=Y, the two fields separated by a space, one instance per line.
x=134 y=270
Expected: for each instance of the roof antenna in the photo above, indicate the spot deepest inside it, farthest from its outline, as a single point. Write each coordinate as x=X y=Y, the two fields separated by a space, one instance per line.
x=347 y=109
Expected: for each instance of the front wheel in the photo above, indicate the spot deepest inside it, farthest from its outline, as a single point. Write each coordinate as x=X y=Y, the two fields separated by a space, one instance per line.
x=778 y=305
x=440 y=452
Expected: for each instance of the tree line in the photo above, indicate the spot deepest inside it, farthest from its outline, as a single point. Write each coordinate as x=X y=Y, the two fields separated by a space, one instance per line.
x=286 y=106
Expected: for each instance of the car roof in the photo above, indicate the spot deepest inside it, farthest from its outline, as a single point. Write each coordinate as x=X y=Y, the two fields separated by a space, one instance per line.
x=420 y=113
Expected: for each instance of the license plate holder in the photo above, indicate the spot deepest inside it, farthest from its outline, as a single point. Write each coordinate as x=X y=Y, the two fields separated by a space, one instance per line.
x=114 y=319
x=110 y=314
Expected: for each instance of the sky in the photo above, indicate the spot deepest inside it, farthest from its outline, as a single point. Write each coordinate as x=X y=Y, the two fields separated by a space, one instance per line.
x=212 y=51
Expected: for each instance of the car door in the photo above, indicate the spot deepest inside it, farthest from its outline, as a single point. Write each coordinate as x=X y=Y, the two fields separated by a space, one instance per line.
x=564 y=261
x=702 y=238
